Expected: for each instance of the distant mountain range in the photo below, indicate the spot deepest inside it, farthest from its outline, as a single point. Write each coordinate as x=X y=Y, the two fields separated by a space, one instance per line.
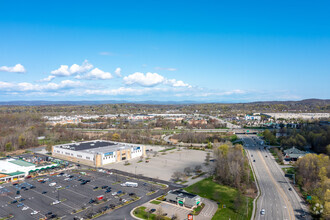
x=100 y=102
x=152 y=102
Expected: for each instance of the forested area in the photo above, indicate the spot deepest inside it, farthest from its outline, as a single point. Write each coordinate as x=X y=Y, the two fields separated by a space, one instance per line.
x=232 y=167
x=203 y=137
x=310 y=105
x=314 y=135
x=21 y=131
x=313 y=173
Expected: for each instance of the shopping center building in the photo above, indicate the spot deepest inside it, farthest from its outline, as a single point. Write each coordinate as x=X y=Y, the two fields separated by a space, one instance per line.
x=98 y=152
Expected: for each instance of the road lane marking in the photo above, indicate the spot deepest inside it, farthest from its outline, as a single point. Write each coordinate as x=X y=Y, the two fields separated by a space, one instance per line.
x=279 y=189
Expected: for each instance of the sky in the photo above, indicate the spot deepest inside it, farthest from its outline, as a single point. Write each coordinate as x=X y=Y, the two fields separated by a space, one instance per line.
x=206 y=51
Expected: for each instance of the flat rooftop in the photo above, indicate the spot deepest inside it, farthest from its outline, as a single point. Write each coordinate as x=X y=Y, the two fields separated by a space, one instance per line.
x=183 y=194
x=98 y=146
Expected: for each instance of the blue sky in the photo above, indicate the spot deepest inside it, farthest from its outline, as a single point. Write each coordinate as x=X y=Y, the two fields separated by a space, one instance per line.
x=223 y=51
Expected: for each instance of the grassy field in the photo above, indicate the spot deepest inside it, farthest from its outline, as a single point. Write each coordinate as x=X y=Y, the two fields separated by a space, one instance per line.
x=225 y=195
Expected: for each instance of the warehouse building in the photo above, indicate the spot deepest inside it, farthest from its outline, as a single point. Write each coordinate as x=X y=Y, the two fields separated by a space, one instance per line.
x=183 y=198
x=98 y=152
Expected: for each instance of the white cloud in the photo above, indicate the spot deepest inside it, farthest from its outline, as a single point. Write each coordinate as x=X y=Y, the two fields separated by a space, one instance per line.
x=96 y=74
x=152 y=79
x=148 y=79
x=25 y=86
x=118 y=72
x=166 y=68
x=47 y=79
x=177 y=83
x=18 y=68
x=64 y=70
x=225 y=93
x=124 y=91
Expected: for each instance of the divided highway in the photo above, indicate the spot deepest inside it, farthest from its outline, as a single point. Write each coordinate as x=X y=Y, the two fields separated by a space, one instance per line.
x=277 y=197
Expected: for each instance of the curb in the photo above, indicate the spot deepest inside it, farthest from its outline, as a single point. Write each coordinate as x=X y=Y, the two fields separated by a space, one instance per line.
x=257 y=184
x=131 y=213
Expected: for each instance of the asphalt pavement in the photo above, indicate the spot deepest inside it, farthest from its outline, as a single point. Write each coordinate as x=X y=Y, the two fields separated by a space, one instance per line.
x=276 y=198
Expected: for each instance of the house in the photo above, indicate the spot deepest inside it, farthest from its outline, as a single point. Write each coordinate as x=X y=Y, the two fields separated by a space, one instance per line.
x=182 y=198
x=293 y=154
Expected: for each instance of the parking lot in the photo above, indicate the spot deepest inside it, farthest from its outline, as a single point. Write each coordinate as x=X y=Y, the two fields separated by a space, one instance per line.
x=35 y=198
x=164 y=164
x=182 y=212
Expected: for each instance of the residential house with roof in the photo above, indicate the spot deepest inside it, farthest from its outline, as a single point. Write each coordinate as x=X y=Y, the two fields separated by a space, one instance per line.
x=293 y=154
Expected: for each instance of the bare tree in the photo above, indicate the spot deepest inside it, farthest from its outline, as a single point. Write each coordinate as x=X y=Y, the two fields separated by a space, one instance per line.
x=187 y=171
x=198 y=168
x=176 y=176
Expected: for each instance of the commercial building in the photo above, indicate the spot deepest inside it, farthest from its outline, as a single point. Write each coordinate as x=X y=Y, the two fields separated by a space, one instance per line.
x=252 y=117
x=183 y=198
x=98 y=152
x=13 y=169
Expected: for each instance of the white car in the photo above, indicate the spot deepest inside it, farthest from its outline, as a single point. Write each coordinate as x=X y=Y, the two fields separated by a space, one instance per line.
x=57 y=187
x=263 y=212
x=114 y=193
x=25 y=208
x=56 y=202
x=17 y=197
x=34 y=212
x=124 y=200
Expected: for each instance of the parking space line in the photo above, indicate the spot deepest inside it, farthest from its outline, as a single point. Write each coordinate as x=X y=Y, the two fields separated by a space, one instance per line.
x=53 y=199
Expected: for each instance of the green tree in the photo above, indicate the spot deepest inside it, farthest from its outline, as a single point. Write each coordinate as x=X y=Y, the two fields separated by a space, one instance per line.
x=21 y=141
x=9 y=146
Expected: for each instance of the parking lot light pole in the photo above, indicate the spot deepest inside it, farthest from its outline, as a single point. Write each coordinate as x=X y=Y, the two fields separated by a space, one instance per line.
x=135 y=171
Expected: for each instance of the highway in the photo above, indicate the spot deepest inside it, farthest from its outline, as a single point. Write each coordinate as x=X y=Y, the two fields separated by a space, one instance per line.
x=275 y=197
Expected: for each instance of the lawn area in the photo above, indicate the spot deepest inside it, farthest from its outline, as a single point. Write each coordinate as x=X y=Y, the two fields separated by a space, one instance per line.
x=155 y=202
x=225 y=195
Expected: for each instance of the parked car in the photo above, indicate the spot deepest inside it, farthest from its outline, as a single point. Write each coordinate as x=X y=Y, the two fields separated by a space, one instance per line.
x=56 y=202
x=34 y=212
x=152 y=210
x=44 y=192
x=104 y=187
x=25 y=208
